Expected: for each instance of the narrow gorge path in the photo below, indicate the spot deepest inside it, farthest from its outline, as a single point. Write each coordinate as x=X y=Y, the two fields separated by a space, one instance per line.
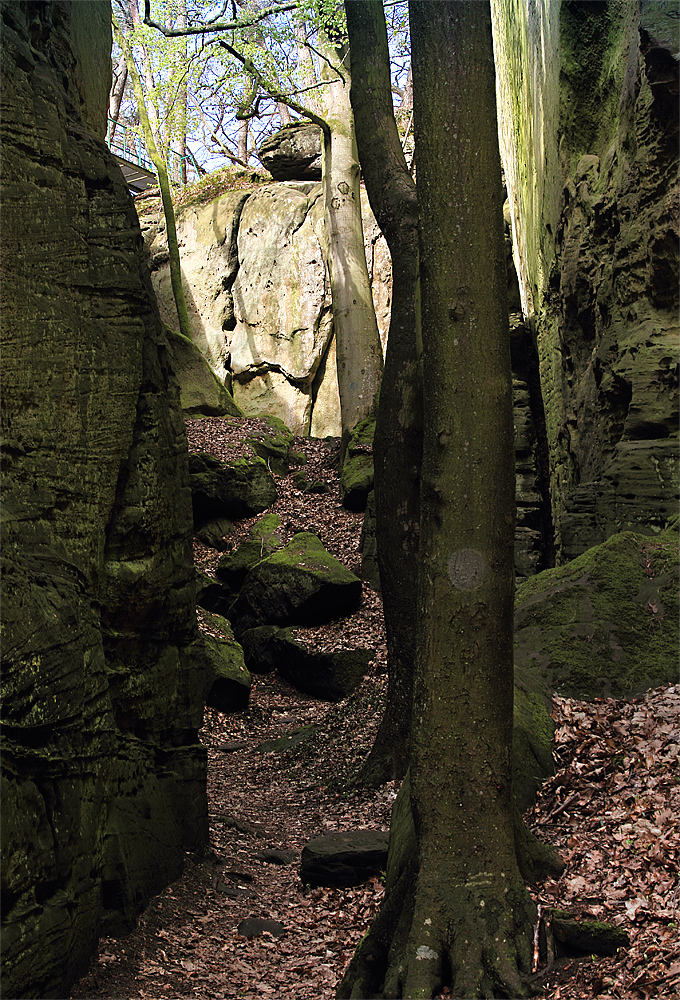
x=609 y=810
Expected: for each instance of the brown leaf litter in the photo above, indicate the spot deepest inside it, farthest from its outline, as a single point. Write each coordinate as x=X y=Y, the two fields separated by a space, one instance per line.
x=610 y=810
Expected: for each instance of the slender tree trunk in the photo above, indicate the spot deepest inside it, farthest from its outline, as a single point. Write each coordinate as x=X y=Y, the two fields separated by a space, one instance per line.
x=456 y=909
x=242 y=141
x=398 y=436
x=116 y=96
x=182 y=95
x=284 y=113
x=358 y=347
x=305 y=66
x=166 y=197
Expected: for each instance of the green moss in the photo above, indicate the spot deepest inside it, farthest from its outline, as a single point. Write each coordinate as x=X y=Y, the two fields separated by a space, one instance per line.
x=593 y=40
x=606 y=623
x=276 y=448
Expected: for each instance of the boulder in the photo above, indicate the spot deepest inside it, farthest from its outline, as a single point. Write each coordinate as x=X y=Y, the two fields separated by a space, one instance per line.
x=331 y=675
x=239 y=488
x=282 y=303
x=606 y=624
x=356 y=475
x=200 y=390
x=207 y=235
x=258 y=650
x=233 y=567
x=211 y=594
x=302 y=584
x=258 y=294
x=344 y=859
x=294 y=153
x=276 y=447
x=214 y=533
x=228 y=677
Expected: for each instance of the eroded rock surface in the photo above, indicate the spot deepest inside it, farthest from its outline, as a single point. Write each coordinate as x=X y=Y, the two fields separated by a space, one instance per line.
x=258 y=293
x=103 y=778
x=589 y=141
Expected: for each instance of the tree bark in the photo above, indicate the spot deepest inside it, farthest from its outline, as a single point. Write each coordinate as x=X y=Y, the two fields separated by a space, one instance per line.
x=398 y=435
x=357 y=340
x=456 y=909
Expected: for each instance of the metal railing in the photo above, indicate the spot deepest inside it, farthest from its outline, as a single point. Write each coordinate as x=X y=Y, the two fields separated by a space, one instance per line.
x=126 y=142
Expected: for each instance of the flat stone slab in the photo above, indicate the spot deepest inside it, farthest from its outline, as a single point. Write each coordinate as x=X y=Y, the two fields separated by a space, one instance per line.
x=344 y=859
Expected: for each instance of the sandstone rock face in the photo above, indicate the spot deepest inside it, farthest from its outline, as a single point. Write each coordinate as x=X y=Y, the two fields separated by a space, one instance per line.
x=103 y=779
x=258 y=293
x=596 y=237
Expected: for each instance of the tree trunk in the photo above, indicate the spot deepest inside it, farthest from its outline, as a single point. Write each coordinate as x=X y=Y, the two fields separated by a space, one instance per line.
x=164 y=183
x=398 y=436
x=116 y=95
x=456 y=908
x=358 y=347
x=242 y=141
x=182 y=95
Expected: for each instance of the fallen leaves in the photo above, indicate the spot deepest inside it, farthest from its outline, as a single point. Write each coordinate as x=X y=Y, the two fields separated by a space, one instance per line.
x=610 y=810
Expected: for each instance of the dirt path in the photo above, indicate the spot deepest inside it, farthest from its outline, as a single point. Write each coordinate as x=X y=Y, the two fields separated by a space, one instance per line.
x=610 y=810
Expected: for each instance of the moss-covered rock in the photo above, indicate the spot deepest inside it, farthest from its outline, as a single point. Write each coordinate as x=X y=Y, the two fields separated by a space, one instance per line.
x=103 y=777
x=233 y=567
x=239 y=488
x=215 y=533
x=201 y=392
x=276 y=448
x=356 y=475
x=302 y=584
x=331 y=675
x=258 y=650
x=211 y=594
x=606 y=624
x=228 y=677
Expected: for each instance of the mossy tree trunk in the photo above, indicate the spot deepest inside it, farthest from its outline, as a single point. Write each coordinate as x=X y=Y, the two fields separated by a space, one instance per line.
x=456 y=908
x=398 y=435
x=163 y=181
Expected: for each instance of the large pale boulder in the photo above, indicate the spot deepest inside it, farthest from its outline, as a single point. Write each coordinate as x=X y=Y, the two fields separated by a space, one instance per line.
x=282 y=303
x=259 y=299
x=207 y=236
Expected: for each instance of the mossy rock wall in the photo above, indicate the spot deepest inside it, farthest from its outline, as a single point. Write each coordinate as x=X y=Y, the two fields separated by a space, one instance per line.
x=589 y=139
x=103 y=778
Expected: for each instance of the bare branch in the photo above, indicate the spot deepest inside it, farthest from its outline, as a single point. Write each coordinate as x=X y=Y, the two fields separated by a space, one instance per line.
x=246 y=21
x=273 y=92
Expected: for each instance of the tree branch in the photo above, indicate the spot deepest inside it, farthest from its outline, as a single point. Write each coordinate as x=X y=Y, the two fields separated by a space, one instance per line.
x=273 y=92
x=247 y=21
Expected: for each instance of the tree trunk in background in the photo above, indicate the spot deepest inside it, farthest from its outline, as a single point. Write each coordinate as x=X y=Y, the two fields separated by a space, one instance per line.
x=284 y=113
x=242 y=141
x=358 y=347
x=166 y=196
x=398 y=436
x=456 y=909
x=116 y=96
x=182 y=95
